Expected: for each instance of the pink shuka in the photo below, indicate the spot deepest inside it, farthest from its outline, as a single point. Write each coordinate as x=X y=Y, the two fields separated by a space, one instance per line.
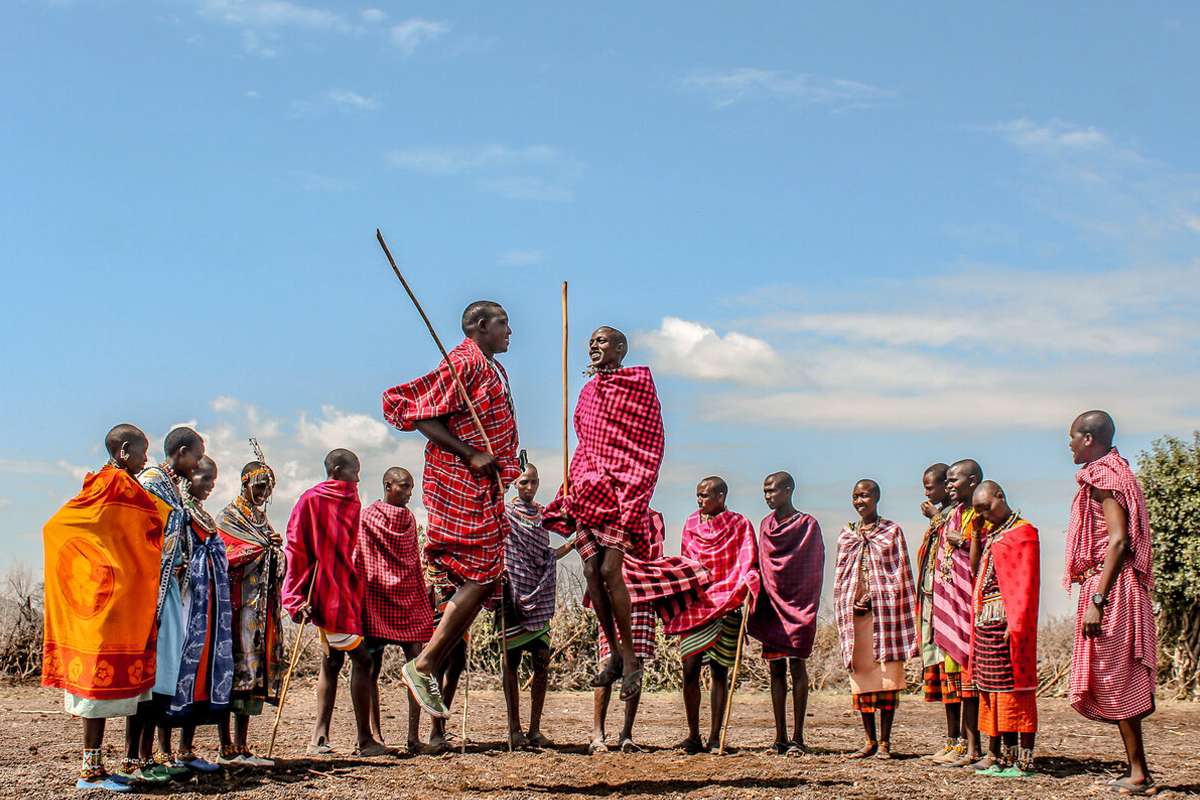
x=321 y=534
x=388 y=560
x=791 y=563
x=725 y=546
x=891 y=589
x=1113 y=674
x=953 y=584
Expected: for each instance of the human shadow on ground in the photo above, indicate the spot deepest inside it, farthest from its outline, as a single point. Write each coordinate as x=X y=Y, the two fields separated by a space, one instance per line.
x=667 y=786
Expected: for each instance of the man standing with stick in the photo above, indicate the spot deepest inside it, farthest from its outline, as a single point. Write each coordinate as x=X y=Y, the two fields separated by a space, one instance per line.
x=465 y=409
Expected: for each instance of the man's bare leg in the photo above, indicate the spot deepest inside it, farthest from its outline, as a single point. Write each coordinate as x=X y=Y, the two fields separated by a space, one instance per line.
x=411 y=651
x=612 y=570
x=631 y=709
x=540 y=658
x=133 y=737
x=970 y=726
x=512 y=700
x=360 y=698
x=448 y=676
x=600 y=699
x=1135 y=750
x=691 y=701
x=799 y=699
x=778 y=668
x=718 y=696
x=376 y=667
x=327 y=680
x=460 y=612
x=598 y=593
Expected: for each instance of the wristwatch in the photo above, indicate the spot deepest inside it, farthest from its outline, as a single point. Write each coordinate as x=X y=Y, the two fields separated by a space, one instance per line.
x=1099 y=600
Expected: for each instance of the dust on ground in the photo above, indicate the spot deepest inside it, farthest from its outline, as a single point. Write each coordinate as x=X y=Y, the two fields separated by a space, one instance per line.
x=40 y=751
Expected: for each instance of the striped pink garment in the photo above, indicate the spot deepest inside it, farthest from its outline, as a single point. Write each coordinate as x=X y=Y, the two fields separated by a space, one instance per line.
x=952 y=585
x=321 y=535
x=1112 y=675
x=892 y=593
x=726 y=545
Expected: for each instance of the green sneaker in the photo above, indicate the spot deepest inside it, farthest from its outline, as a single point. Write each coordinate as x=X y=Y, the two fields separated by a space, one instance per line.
x=1014 y=772
x=153 y=773
x=425 y=691
x=991 y=771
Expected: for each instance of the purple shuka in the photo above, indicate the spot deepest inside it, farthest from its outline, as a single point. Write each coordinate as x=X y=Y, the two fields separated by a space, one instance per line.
x=791 y=560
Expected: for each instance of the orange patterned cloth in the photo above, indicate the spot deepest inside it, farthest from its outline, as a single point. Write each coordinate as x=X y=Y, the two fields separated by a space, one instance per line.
x=102 y=554
x=1008 y=712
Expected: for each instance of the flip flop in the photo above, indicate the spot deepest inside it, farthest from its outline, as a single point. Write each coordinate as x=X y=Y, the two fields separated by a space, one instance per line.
x=319 y=749
x=1127 y=787
x=631 y=685
x=596 y=747
x=794 y=750
x=779 y=748
x=540 y=741
x=373 y=749
x=630 y=746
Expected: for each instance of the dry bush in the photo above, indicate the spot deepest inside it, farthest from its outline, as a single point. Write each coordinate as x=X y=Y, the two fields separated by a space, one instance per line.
x=20 y=626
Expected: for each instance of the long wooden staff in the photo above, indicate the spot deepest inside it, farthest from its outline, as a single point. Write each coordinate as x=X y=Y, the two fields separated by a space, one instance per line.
x=292 y=661
x=737 y=663
x=487 y=443
x=566 y=462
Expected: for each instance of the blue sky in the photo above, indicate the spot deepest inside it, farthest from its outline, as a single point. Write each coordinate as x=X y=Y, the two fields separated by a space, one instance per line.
x=849 y=241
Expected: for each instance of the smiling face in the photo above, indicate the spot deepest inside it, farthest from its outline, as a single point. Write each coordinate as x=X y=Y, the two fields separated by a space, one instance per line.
x=961 y=483
x=258 y=490
x=606 y=348
x=494 y=332
x=204 y=478
x=710 y=498
x=865 y=499
x=528 y=483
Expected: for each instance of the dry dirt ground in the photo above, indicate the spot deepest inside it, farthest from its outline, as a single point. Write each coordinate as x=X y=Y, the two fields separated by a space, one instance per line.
x=39 y=752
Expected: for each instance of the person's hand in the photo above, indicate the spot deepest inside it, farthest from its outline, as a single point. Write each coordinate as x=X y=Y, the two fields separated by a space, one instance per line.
x=303 y=614
x=483 y=464
x=276 y=539
x=954 y=538
x=928 y=509
x=1091 y=621
x=862 y=606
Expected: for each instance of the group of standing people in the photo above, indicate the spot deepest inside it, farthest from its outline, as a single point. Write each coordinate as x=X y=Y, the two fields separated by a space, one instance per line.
x=160 y=613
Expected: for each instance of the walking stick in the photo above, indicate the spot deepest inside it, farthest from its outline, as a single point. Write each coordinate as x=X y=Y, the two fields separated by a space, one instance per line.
x=504 y=648
x=292 y=661
x=566 y=463
x=737 y=662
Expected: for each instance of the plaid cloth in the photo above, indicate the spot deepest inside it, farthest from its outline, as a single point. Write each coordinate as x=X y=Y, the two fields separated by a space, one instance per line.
x=321 y=533
x=467 y=524
x=942 y=686
x=716 y=639
x=891 y=589
x=726 y=546
x=791 y=560
x=644 y=618
x=1113 y=674
x=531 y=566
x=396 y=604
x=931 y=654
x=870 y=702
x=952 y=585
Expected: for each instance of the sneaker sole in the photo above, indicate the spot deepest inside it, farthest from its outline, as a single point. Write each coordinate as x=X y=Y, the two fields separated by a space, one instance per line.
x=433 y=712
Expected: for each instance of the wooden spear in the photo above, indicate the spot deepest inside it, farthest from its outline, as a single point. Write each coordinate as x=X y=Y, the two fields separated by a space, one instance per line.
x=295 y=659
x=737 y=663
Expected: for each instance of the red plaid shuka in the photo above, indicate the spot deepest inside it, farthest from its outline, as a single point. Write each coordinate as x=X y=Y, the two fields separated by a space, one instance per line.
x=891 y=590
x=726 y=546
x=613 y=472
x=643 y=617
x=1113 y=674
x=467 y=523
x=396 y=604
x=321 y=533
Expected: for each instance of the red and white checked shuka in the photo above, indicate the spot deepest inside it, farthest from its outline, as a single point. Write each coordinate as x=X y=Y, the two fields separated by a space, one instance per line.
x=618 y=421
x=321 y=534
x=467 y=523
x=1113 y=674
x=727 y=546
x=892 y=595
x=643 y=619
x=396 y=605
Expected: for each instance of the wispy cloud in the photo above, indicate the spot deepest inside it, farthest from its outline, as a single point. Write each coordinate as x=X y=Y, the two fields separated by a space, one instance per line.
x=410 y=34
x=729 y=87
x=521 y=258
x=373 y=16
x=351 y=99
x=1052 y=135
x=535 y=172
x=273 y=13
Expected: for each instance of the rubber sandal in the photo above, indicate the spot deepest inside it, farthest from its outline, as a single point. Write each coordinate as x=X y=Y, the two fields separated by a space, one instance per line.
x=631 y=685
x=610 y=673
x=540 y=741
x=373 y=749
x=1127 y=787
x=596 y=747
x=630 y=746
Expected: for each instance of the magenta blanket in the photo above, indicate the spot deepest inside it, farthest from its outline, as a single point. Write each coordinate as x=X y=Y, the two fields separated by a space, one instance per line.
x=791 y=564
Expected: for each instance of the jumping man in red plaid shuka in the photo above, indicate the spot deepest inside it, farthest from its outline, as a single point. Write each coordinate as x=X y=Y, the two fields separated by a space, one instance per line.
x=463 y=483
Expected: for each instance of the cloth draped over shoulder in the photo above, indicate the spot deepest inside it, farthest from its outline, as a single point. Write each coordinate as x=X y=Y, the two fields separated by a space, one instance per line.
x=396 y=605
x=160 y=484
x=613 y=472
x=1015 y=556
x=206 y=662
x=725 y=545
x=321 y=534
x=531 y=566
x=467 y=523
x=1112 y=675
x=931 y=654
x=952 y=586
x=891 y=591
x=791 y=563
x=256 y=585
x=101 y=558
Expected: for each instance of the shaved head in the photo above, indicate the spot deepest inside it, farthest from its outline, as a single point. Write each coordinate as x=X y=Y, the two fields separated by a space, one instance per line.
x=180 y=438
x=620 y=338
x=937 y=471
x=718 y=484
x=477 y=312
x=784 y=479
x=1099 y=425
x=989 y=489
x=341 y=462
x=870 y=484
x=990 y=503
x=124 y=434
x=968 y=466
x=396 y=474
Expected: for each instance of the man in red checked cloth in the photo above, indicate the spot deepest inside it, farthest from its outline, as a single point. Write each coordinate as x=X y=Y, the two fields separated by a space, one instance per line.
x=1115 y=661
x=618 y=421
x=463 y=484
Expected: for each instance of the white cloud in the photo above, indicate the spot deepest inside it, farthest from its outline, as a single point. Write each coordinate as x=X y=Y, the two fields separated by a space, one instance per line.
x=351 y=99
x=407 y=36
x=223 y=403
x=533 y=172
x=521 y=258
x=373 y=16
x=251 y=94
x=254 y=44
x=272 y=13
x=733 y=86
x=693 y=350
x=339 y=429
x=1052 y=135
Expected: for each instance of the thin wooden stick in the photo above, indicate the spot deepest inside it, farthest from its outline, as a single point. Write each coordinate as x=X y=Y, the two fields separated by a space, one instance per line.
x=737 y=663
x=566 y=461
x=287 y=678
x=466 y=691
x=504 y=650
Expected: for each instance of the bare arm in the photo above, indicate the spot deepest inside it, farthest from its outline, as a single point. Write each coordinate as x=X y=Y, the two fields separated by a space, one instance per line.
x=1118 y=545
x=478 y=461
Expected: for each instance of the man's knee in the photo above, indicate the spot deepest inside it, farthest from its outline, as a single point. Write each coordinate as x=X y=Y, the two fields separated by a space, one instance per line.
x=591 y=570
x=691 y=668
x=611 y=570
x=333 y=661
